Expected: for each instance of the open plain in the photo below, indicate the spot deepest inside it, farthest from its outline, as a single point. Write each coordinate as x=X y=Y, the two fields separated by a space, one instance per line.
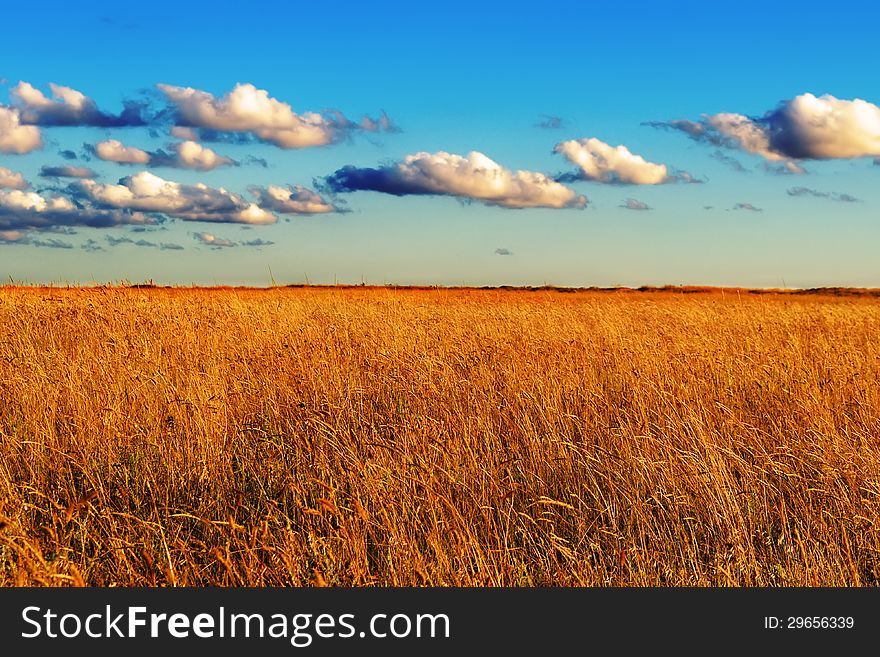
x=382 y=436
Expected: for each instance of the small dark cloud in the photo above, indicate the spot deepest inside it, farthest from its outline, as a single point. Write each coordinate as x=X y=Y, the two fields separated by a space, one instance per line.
x=67 y=155
x=116 y=241
x=877 y=161
x=30 y=238
x=708 y=207
x=784 y=169
x=13 y=237
x=255 y=161
x=382 y=123
x=58 y=230
x=748 y=207
x=67 y=172
x=805 y=191
x=221 y=137
x=694 y=130
x=169 y=246
x=550 y=122
x=730 y=161
x=635 y=204
x=831 y=196
x=91 y=245
x=503 y=252
x=213 y=241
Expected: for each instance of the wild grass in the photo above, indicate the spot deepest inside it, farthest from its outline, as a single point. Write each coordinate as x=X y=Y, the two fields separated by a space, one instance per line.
x=153 y=437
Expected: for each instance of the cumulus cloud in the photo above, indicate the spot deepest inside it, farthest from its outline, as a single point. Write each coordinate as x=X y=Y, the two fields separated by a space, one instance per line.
x=114 y=150
x=28 y=210
x=67 y=155
x=15 y=137
x=67 y=172
x=600 y=162
x=475 y=177
x=635 y=204
x=11 y=179
x=748 y=207
x=291 y=200
x=183 y=155
x=146 y=192
x=192 y=155
x=806 y=127
x=69 y=107
x=503 y=252
x=832 y=196
x=251 y=111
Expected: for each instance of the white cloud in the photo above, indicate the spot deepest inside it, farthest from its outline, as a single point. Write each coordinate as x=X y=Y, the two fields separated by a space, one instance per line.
x=826 y=128
x=806 y=127
x=613 y=164
x=114 y=150
x=185 y=155
x=146 y=192
x=474 y=177
x=248 y=109
x=192 y=155
x=291 y=200
x=21 y=210
x=15 y=137
x=69 y=107
x=11 y=179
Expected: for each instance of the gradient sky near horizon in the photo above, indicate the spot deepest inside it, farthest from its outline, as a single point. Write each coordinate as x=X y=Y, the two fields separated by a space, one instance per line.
x=785 y=194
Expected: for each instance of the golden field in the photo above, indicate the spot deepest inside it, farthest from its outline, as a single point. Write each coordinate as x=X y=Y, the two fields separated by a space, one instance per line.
x=377 y=436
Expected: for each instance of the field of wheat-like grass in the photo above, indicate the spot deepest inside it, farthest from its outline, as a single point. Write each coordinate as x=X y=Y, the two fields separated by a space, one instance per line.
x=356 y=437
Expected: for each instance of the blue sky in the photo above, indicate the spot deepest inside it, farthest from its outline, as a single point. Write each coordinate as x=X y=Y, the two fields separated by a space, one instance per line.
x=453 y=79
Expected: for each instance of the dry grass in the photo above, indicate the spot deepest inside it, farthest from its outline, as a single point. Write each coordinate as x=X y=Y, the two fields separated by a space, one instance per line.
x=394 y=437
